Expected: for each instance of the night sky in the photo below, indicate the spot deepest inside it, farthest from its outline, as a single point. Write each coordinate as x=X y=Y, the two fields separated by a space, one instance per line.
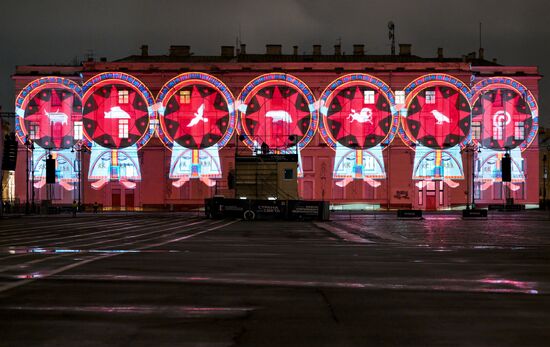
x=65 y=31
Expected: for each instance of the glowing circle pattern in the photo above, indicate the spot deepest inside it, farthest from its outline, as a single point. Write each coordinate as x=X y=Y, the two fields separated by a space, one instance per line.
x=198 y=112
x=358 y=112
x=117 y=111
x=279 y=111
x=47 y=111
x=438 y=114
x=505 y=113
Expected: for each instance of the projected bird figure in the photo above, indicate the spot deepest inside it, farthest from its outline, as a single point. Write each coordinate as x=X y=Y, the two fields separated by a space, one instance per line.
x=440 y=117
x=198 y=117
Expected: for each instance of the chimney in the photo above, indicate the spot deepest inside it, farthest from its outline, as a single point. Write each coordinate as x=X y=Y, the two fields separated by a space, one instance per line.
x=295 y=50
x=144 y=50
x=358 y=49
x=405 y=49
x=228 y=51
x=180 y=51
x=440 y=53
x=481 y=53
x=243 y=49
x=273 y=49
x=337 y=50
x=316 y=49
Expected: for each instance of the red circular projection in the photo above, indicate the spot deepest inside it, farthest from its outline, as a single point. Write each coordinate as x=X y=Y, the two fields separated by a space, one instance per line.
x=358 y=116
x=115 y=114
x=504 y=119
x=277 y=114
x=50 y=115
x=438 y=117
x=196 y=116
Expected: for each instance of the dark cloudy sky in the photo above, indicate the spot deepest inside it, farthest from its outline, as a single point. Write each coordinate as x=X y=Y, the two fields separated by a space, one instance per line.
x=60 y=31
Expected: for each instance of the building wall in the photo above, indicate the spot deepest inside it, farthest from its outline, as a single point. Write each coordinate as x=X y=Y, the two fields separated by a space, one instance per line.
x=398 y=190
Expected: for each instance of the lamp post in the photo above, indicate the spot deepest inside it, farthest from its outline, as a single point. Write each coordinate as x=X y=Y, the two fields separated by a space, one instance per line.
x=472 y=149
x=27 y=146
x=79 y=148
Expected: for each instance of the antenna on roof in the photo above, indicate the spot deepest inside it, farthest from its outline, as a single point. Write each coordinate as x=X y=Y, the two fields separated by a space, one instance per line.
x=391 y=36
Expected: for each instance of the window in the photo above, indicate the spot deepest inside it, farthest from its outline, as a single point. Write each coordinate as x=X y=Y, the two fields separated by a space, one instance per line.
x=441 y=193
x=477 y=191
x=497 y=190
x=498 y=130
x=123 y=128
x=34 y=131
x=400 y=97
x=185 y=96
x=368 y=96
x=77 y=130
x=369 y=163
x=153 y=126
x=430 y=96
x=123 y=97
x=519 y=131
x=520 y=193
x=289 y=174
x=476 y=130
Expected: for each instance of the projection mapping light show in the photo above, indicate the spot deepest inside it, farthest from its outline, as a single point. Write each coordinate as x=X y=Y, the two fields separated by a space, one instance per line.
x=504 y=119
x=49 y=115
x=436 y=123
x=117 y=115
x=277 y=111
x=197 y=118
x=359 y=120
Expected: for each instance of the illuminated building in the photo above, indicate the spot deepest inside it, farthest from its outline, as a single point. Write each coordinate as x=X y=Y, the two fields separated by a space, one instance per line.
x=396 y=131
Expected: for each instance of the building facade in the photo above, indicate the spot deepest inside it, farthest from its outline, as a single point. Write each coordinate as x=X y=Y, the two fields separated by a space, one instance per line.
x=162 y=132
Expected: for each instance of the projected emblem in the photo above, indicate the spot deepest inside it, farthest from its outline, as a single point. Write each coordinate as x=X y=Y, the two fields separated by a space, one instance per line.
x=197 y=118
x=50 y=116
x=358 y=116
x=438 y=117
x=503 y=117
x=116 y=116
x=358 y=121
x=436 y=124
x=196 y=115
x=49 y=113
x=277 y=110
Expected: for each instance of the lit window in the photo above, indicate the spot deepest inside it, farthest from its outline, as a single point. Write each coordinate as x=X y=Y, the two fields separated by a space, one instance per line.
x=185 y=96
x=519 y=131
x=123 y=128
x=77 y=130
x=368 y=96
x=153 y=126
x=498 y=129
x=476 y=130
x=34 y=131
x=369 y=163
x=430 y=96
x=400 y=97
x=123 y=97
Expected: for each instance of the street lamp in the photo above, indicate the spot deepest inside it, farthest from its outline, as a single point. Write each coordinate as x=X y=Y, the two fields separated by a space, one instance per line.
x=29 y=145
x=472 y=149
x=79 y=148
